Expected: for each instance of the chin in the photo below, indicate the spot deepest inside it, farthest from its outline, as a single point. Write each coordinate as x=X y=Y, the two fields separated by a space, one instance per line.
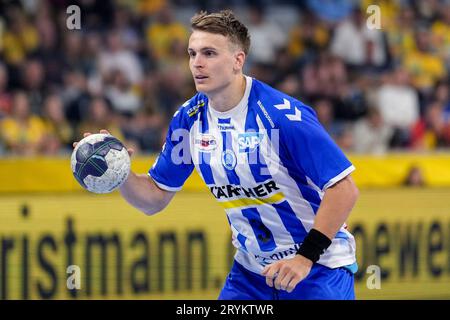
x=202 y=88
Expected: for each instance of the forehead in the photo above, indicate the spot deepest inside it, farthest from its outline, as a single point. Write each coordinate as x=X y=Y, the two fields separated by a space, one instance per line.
x=200 y=39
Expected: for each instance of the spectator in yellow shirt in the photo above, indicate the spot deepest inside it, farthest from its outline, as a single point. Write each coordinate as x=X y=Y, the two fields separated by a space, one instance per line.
x=425 y=67
x=60 y=133
x=20 y=38
x=441 y=34
x=22 y=133
x=165 y=34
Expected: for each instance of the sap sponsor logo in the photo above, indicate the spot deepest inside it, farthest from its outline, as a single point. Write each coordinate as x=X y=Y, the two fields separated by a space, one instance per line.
x=230 y=191
x=225 y=127
x=229 y=159
x=194 y=110
x=249 y=141
x=206 y=143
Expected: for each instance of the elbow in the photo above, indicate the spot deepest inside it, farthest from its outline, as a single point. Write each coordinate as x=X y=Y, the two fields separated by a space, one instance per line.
x=349 y=189
x=154 y=209
x=151 y=211
x=354 y=192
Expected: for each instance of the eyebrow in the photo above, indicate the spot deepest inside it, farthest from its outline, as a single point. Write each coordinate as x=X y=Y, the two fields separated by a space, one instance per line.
x=203 y=49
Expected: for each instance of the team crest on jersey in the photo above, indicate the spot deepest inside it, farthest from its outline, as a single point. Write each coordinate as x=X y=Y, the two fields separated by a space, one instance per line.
x=206 y=143
x=229 y=160
x=249 y=141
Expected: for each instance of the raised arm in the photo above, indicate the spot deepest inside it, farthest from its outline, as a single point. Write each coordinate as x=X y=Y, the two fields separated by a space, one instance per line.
x=140 y=190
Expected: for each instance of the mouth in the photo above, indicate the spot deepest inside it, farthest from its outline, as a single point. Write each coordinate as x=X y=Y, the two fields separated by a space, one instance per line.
x=200 y=77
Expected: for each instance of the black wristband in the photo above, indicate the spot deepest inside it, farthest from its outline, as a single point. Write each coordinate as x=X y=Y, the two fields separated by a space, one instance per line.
x=314 y=244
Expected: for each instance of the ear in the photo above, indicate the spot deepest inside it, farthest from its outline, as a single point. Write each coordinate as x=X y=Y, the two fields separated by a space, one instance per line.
x=239 y=60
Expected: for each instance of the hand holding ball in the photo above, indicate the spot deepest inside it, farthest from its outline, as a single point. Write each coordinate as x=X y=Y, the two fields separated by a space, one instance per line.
x=100 y=163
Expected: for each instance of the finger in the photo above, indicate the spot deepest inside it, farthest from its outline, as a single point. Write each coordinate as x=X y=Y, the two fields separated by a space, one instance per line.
x=285 y=280
x=86 y=134
x=74 y=144
x=270 y=279
x=104 y=131
x=293 y=283
x=130 y=151
x=271 y=275
x=267 y=268
x=282 y=275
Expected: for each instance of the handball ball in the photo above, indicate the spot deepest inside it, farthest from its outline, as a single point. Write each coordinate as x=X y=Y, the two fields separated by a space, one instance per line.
x=100 y=163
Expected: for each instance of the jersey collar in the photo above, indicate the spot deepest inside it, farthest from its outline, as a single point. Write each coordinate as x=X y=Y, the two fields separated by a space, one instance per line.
x=242 y=105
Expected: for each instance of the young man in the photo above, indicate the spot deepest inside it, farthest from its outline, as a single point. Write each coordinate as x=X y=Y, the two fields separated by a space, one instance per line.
x=284 y=184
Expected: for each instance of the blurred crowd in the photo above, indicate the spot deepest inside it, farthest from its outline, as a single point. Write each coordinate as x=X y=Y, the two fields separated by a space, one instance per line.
x=126 y=69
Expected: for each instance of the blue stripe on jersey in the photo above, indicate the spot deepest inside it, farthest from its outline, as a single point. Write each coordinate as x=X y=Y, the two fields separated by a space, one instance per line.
x=312 y=196
x=231 y=174
x=228 y=145
x=225 y=120
x=263 y=235
x=341 y=235
x=308 y=193
x=255 y=159
x=240 y=237
x=287 y=215
x=205 y=157
x=242 y=240
x=290 y=221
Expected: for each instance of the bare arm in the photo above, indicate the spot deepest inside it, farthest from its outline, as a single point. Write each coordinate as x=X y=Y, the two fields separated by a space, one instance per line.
x=141 y=192
x=336 y=206
x=334 y=210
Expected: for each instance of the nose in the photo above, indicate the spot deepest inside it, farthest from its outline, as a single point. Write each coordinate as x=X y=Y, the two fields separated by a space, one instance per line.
x=197 y=61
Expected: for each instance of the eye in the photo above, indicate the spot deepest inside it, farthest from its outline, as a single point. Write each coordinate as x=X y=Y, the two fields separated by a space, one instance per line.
x=191 y=54
x=209 y=53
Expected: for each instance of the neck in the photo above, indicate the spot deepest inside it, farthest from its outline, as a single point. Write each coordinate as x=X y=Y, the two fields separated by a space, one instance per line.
x=228 y=97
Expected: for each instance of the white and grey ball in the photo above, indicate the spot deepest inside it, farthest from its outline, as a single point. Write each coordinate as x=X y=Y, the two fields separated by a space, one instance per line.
x=100 y=163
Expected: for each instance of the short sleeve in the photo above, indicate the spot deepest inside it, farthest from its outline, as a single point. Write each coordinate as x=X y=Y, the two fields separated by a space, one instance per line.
x=312 y=150
x=174 y=164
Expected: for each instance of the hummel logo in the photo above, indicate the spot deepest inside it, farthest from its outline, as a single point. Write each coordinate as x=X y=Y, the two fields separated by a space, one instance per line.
x=297 y=116
x=285 y=105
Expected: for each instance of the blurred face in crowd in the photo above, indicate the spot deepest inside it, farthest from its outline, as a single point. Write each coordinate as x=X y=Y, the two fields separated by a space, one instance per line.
x=99 y=112
x=401 y=77
x=3 y=77
x=33 y=74
x=324 y=111
x=54 y=109
x=114 y=41
x=21 y=106
x=215 y=61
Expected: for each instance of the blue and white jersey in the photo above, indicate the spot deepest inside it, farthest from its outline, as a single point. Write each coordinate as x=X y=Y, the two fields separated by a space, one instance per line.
x=268 y=162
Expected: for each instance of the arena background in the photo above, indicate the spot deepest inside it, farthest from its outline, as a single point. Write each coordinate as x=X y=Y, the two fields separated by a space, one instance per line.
x=381 y=93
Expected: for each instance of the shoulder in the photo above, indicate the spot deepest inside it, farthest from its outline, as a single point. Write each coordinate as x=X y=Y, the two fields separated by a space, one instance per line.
x=188 y=112
x=278 y=107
